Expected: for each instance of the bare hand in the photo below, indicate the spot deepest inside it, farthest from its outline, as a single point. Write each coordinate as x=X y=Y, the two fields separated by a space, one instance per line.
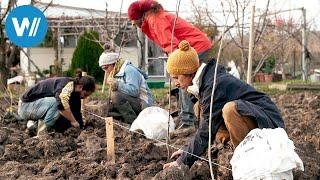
x=176 y=154
x=75 y=124
x=171 y=164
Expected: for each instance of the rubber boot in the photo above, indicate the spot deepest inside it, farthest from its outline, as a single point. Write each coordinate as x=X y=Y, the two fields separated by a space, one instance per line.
x=42 y=128
x=127 y=113
x=115 y=114
x=31 y=128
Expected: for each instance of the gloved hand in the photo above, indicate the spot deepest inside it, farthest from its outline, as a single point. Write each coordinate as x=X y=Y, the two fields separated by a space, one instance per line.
x=113 y=84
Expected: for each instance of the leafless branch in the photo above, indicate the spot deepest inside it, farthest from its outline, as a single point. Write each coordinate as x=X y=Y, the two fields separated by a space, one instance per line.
x=263 y=23
x=276 y=46
x=47 y=6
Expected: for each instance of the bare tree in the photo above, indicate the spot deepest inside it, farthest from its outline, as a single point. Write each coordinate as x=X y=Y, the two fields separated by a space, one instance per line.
x=202 y=18
x=5 y=60
x=8 y=50
x=112 y=28
x=270 y=40
x=239 y=10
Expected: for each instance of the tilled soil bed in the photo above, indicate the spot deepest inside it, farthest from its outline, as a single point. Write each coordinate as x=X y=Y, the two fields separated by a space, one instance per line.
x=82 y=154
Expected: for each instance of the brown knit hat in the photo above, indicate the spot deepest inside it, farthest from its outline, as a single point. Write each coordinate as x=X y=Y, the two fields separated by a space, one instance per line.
x=183 y=60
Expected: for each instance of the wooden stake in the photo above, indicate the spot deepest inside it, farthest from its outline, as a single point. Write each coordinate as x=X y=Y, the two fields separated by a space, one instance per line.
x=82 y=100
x=104 y=81
x=110 y=140
x=251 y=44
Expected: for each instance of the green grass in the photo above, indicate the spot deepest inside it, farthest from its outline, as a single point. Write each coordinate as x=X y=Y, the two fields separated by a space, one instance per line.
x=99 y=95
x=297 y=81
x=263 y=87
x=159 y=94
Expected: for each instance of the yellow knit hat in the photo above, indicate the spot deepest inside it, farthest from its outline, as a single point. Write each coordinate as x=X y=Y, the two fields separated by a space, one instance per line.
x=183 y=60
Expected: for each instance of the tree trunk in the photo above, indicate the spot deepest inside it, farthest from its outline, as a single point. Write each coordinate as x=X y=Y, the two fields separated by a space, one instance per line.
x=243 y=65
x=3 y=65
x=3 y=70
x=282 y=70
x=57 y=49
x=141 y=50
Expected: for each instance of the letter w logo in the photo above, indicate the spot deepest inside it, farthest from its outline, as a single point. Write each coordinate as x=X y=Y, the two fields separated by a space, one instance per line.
x=25 y=25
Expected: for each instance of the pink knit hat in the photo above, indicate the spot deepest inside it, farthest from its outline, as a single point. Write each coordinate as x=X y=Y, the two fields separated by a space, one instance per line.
x=138 y=8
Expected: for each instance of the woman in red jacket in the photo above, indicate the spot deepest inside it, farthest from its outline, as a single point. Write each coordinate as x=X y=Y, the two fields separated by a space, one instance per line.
x=157 y=24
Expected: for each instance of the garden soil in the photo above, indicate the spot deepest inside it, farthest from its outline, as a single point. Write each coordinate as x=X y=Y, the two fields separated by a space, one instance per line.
x=81 y=154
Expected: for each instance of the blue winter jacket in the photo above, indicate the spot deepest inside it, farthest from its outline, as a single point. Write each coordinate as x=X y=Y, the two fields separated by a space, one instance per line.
x=132 y=81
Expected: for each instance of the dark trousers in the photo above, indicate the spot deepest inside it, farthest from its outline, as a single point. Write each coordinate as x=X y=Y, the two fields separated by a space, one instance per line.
x=125 y=107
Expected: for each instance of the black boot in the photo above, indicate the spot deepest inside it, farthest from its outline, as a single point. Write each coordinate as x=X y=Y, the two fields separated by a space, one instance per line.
x=127 y=112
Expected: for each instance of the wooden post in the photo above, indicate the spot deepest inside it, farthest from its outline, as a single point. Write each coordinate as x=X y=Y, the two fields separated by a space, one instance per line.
x=110 y=140
x=83 y=100
x=294 y=63
x=251 y=41
x=304 y=47
x=104 y=81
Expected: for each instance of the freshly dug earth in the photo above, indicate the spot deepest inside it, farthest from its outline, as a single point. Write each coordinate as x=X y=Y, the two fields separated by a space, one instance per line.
x=82 y=154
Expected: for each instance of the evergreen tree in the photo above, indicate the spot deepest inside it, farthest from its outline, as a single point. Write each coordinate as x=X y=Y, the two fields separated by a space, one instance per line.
x=86 y=56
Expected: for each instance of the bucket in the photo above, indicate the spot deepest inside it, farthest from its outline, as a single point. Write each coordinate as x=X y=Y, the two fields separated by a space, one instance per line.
x=155 y=84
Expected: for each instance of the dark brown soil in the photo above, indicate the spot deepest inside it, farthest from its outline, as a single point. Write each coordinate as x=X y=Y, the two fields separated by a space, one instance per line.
x=82 y=155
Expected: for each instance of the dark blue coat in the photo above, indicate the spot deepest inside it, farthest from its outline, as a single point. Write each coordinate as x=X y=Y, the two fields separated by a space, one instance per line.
x=249 y=102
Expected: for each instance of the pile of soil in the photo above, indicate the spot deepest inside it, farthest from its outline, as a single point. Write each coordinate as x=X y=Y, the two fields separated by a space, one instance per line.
x=301 y=112
x=78 y=154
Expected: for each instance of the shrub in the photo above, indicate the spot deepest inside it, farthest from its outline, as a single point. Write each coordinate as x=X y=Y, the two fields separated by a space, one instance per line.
x=86 y=56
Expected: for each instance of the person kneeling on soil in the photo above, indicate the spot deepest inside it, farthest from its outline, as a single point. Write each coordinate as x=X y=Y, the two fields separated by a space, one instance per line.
x=237 y=106
x=130 y=93
x=50 y=98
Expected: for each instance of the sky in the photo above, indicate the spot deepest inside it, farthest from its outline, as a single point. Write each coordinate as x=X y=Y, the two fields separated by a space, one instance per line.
x=312 y=6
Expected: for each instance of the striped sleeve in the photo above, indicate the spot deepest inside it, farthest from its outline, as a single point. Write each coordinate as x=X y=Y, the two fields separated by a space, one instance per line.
x=65 y=95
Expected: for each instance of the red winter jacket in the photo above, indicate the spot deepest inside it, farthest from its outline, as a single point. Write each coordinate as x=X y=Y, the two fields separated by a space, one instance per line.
x=158 y=27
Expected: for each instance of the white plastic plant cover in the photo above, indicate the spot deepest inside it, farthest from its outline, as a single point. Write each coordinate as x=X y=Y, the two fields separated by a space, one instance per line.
x=153 y=121
x=265 y=154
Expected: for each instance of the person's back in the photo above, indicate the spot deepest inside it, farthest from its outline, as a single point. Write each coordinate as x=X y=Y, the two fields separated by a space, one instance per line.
x=45 y=88
x=230 y=88
x=158 y=24
x=158 y=27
